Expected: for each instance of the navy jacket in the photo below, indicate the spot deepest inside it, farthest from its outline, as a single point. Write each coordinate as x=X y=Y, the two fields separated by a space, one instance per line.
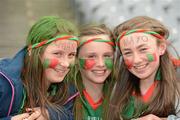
x=11 y=90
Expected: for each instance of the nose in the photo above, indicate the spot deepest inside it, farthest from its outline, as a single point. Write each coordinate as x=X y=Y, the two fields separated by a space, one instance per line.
x=137 y=58
x=100 y=62
x=65 y=62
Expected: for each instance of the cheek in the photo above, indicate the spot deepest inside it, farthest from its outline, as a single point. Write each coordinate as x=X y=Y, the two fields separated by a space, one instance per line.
x=86 y=64
x=151 y=57
x=50 y=63
x=109 y=63
x=128 y=63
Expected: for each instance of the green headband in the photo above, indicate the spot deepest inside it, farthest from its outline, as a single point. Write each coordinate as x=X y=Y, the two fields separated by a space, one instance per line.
x=58 y=37
x=155 y=34
x=96 y=40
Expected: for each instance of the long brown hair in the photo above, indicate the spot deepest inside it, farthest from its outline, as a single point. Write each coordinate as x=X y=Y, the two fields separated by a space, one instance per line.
x=32 y=74
x=90 y=31
x=163 y=102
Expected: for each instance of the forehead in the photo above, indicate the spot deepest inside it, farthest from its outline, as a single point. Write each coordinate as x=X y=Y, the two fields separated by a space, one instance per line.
x=65 y=45
x=136 y=39
x=95 y=48
x=102 y=36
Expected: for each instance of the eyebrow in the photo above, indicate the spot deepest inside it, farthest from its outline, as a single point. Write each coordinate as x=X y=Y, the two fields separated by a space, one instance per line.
x=142 y=45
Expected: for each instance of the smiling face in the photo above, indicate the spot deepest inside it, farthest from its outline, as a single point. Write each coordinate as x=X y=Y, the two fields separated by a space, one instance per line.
x=57 y=58
x=96 y=59
x=141 y=54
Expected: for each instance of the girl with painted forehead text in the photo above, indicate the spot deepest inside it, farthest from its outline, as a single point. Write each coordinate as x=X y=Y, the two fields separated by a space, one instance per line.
x=34 y=83
x=147 y=87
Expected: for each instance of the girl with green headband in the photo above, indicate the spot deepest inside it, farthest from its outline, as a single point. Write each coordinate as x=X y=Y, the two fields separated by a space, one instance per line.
x=146 y=87
x=34 y=83
x=93 y=77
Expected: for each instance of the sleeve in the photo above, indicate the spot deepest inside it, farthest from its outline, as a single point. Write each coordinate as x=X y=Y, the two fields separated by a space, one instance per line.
x=6 y=118
x=60 y=113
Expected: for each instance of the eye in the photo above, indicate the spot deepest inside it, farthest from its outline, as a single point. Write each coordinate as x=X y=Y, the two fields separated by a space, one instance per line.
x=128 y=53
x=72 y=55
x=143 y=49
x=58 y=54
x=91 y=56
x=108 y=55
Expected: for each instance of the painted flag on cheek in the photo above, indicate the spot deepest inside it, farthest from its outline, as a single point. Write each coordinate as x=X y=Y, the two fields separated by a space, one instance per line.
x=151 y=57
x=109 y=63
x=50 y=63
x=128 y=63
x=86 y=63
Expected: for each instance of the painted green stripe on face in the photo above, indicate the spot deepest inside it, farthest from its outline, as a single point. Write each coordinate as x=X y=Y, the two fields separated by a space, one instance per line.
x=150 y=57
x=109 y=63
x=46 y=63
x=81 y=63
x=50 y=63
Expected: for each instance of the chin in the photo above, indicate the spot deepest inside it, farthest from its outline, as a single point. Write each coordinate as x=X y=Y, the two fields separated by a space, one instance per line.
x=58 y=80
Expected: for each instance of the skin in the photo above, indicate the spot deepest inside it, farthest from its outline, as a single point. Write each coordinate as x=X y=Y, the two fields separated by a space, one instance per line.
x=63 y=51
x=139 y=45
x=94 y=78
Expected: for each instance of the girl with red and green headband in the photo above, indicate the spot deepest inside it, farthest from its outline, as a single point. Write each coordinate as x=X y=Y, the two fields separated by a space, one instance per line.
x=94 y=76
x=147 y=87
x=34 y=83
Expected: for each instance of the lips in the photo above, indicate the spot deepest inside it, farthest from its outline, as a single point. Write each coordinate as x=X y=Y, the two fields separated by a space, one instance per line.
x=61 y=72
x=141 y=68
x=99 y=72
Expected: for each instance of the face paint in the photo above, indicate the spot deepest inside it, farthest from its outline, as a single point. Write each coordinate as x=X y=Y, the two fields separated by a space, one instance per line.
x=151 y=57
x=128 y=63
x=109 y=63
x=50 y=63
x=86 y=63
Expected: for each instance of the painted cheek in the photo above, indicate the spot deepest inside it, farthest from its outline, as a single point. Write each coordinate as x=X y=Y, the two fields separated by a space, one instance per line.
x=128 y=63
x=109 y=63
x=86 y=63
x=151 y=57
x=50 y=63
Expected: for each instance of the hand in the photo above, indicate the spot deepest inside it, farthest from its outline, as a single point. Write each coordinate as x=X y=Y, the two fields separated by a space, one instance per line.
x=20 y=116
x=149 y=117
x=33 y=116
x=40 y=117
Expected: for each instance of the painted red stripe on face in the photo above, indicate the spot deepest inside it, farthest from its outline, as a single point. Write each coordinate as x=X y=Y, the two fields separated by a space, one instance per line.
x=53 y=63
x=128 y=63
x=89 y=63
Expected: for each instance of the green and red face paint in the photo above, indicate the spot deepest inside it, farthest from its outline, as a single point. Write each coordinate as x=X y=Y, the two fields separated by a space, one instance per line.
x=88 y=64
x=50 y=63
x=150 y=57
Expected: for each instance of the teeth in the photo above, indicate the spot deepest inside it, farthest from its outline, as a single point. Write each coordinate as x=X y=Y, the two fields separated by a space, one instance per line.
x=60 y=71
x=140 y=67
x=99 y=71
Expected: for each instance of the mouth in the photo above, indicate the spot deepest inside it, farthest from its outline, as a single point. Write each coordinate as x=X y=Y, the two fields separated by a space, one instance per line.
x=99 y=72
x=61 y=72
x=141 y=67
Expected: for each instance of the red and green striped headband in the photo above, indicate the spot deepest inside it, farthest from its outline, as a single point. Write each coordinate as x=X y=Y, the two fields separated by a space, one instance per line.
x=58 y=37
x=96 y=40
x=155 y=34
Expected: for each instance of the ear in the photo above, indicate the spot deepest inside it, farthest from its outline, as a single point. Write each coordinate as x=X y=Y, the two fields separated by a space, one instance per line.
x=162 y=48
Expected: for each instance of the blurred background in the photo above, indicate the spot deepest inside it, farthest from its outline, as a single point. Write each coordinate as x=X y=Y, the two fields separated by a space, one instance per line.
x=17 y=16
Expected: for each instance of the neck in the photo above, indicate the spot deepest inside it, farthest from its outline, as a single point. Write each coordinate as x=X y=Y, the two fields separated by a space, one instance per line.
x=94 y=90
x=146 y=83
